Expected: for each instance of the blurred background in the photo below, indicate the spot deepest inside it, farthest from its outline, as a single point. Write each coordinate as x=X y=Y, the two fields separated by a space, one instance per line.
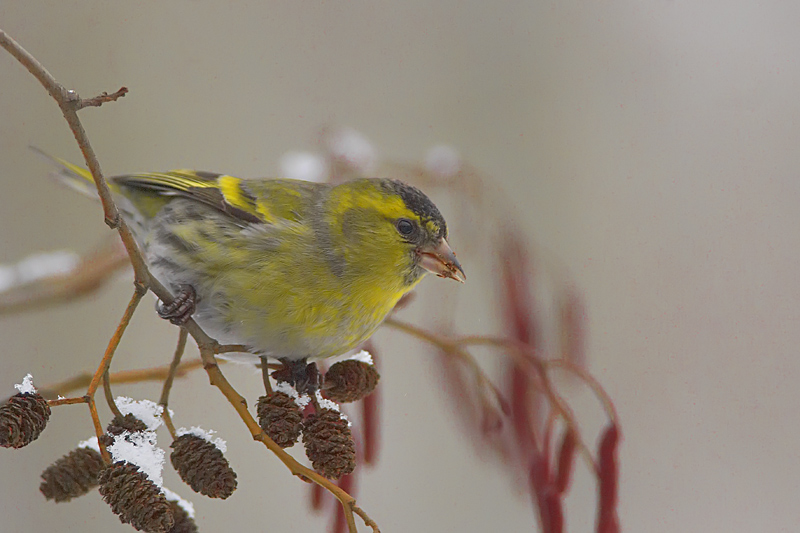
x=650 y=146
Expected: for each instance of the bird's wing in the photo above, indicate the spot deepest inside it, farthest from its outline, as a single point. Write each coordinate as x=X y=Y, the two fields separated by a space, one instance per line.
x=225 y=193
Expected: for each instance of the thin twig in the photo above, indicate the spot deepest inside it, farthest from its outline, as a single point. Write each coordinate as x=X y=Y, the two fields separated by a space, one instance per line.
x=109 y=396
x=69 y=103
x=173 y=369
x=265 y=375
x=229 y=348
x=367 y=520
x=66 y=401
x=93 y=271
x=240 y=405
x=102 y=370
x=82 y=380
x=102 y=98
x=516 y=350
x=453 y=347
x=98 y=428
x=138 y=293
x=527 y=353
x=590 y=382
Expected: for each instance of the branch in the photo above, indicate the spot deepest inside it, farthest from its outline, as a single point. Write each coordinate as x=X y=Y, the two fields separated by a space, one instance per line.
x=70 y=103
x=102 y=98
x=91 y=273
x=523 y=353
x=81 y=381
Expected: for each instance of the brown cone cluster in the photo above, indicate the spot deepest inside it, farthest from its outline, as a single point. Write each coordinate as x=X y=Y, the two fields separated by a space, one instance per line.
x=329 y=444
x=280 y=418
x=73 y=475
x=183 y=522
x=22 y=419
x=202 y=466
x=135 y=499
x=350 y=381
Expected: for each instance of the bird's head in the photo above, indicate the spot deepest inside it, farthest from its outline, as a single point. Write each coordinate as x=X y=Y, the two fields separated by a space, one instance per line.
x=392 y=225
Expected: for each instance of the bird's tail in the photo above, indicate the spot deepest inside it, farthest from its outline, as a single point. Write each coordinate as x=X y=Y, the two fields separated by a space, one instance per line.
x=73 y=176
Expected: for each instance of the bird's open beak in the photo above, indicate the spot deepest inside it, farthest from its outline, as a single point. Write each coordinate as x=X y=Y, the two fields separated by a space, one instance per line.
x=441 y=260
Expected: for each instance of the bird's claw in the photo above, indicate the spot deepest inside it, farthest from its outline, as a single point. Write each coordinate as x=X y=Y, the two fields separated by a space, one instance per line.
x=181 y=308
x=299 y=373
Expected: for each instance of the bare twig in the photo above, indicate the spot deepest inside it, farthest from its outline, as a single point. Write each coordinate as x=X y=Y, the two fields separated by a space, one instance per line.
x=240 y=405
x=367 y=520
x=70 y=103
x=173 y=369
x=521 y=352
x=91 y=273
x=265 y=375
x=82 y=380
x=102 y=98
x=109 y=396
x=98 y=428
x=102 y=370
x=66 y=401
x=138 y=293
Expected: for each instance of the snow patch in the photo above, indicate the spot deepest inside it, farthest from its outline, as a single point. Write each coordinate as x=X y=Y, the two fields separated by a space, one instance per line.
x=183 y=504
x=26 y=387
x=145 y=410
x=206 y=435
x=140 y=449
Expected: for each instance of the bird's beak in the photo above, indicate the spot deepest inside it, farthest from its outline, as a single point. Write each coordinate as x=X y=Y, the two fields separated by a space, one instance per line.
x=441 y=260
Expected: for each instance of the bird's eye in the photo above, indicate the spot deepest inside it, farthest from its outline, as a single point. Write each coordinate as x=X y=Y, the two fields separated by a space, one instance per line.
x=406 y=227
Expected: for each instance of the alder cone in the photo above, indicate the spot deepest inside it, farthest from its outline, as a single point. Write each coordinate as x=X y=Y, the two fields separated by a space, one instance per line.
x=280 y=418
x=120 y=425
x=350 y=381
x=135 y=499
x=73 y=475
x=183 y=522
x=329 y=444
x=202 y=466
x=22 y=419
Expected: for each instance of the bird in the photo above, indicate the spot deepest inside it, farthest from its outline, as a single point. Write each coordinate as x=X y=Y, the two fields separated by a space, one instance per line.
x=293 y=270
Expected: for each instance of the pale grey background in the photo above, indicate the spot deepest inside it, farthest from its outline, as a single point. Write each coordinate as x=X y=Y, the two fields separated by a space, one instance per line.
x=650 y=145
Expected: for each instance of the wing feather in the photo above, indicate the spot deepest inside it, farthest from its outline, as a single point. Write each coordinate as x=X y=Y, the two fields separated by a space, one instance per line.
x=224 y=193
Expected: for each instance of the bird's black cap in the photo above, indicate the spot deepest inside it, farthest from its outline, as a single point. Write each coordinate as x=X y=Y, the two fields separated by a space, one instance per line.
x=418 y=202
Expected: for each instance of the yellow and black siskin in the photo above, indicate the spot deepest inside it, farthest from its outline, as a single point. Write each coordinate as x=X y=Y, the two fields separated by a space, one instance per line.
x=294 y=270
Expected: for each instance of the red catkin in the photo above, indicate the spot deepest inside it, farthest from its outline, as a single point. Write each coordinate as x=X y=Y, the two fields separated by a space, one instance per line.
x=566 y=461
x=317 y=497
x=608 y=478
x=545 y=498
x=518 y=310
x=371 y=418
x=555 y=511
